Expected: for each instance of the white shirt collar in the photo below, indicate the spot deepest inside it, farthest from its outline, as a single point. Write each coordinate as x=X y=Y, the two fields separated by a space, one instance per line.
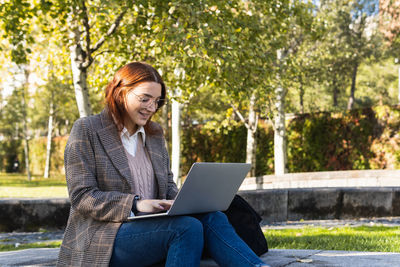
x=130 y=141
x=125 y=133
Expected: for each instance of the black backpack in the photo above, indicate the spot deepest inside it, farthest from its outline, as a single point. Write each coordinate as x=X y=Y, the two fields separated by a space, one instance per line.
x=246 y=222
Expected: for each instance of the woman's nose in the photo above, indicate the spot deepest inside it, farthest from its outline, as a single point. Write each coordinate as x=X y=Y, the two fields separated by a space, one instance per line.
x=152 y=107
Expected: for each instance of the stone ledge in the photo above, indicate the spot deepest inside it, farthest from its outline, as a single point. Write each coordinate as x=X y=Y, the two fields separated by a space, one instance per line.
x=353 y=178
x=274 y=205
x=275 y=257
x=30 y=214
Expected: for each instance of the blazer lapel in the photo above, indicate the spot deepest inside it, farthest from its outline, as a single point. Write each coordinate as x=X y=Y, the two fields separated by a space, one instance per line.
x=154 y=148
x=109 y=137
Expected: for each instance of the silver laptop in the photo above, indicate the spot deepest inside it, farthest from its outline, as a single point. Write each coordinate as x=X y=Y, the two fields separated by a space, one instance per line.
x=208 y=187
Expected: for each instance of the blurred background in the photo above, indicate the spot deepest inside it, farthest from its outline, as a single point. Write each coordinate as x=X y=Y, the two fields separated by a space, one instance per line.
x=289 y=85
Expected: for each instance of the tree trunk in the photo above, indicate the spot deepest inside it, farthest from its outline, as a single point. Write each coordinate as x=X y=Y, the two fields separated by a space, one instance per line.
x=176 y=143
x=49 y=139
x=280 y=153
x=26 y=155
x=350 y=104
x=251 y=136
x=79 y=76
x=25 y=126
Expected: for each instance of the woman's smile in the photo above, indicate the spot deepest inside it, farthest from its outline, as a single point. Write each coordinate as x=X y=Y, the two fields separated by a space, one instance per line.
x=145 y=115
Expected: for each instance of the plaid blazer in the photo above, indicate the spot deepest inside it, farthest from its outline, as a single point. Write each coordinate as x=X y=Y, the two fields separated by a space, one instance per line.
x=100 y=188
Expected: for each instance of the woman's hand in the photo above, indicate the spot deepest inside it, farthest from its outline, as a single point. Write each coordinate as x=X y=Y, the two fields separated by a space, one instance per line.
x=153 y=205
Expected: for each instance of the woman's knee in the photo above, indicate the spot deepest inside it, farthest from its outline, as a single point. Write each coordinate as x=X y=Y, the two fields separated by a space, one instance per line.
x=216 y=217
x=188 y=225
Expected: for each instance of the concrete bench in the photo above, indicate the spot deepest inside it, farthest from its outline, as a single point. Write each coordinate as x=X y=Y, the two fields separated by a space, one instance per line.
x=278 y=205
x=275 y=257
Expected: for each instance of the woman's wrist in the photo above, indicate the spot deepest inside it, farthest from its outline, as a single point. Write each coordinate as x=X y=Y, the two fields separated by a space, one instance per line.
x=136 y=198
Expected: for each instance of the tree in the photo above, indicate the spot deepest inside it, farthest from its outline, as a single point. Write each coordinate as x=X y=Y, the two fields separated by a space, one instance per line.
x=85 y=29
x=290 y=26
x=55 y=106
x=234 y=47
x=16 y=25
x=350 y=39
x=14 y=125
x=358 y=37
x=34 y=58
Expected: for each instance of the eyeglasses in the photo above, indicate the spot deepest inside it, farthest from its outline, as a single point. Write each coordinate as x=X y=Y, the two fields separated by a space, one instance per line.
x=147 y=101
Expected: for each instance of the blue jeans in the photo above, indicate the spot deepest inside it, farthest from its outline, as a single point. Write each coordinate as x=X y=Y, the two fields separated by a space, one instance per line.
x=179 y=241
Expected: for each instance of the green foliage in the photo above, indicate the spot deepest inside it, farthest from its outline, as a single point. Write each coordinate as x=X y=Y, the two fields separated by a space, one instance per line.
x=13 y=149
x=377 y=82
x=37 y=155
x=60 y=94
x=16 y=16
x=265 y=150
x=387 y=146
x=37 y=151
x=11 y=129
x=326 y=142
x=9 y=152
x=360 y=139
x=12 y=115
x=325 y=65
x=224 y=145
x=361 y=238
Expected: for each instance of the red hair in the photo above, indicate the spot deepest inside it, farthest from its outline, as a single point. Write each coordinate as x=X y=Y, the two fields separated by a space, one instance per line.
x=124 y=81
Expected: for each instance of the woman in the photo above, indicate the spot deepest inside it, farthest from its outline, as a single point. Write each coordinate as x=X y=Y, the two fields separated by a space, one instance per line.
x=117 y=165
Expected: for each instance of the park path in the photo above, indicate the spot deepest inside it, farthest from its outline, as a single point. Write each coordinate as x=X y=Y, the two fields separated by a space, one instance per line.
x=275 y=257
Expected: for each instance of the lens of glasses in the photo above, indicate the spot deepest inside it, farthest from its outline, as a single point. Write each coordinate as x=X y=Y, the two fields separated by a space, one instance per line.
x=150 y=102
x=147 y=101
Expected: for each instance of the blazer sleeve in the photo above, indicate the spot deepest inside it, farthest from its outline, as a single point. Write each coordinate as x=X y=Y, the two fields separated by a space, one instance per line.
x=80 y=170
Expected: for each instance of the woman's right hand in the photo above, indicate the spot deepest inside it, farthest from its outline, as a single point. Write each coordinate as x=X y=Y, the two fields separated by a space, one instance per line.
x=153 y=205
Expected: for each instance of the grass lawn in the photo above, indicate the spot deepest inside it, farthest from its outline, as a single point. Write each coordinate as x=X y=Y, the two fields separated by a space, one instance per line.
x=360 y=238
x=17 y=185
x=45 y=244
